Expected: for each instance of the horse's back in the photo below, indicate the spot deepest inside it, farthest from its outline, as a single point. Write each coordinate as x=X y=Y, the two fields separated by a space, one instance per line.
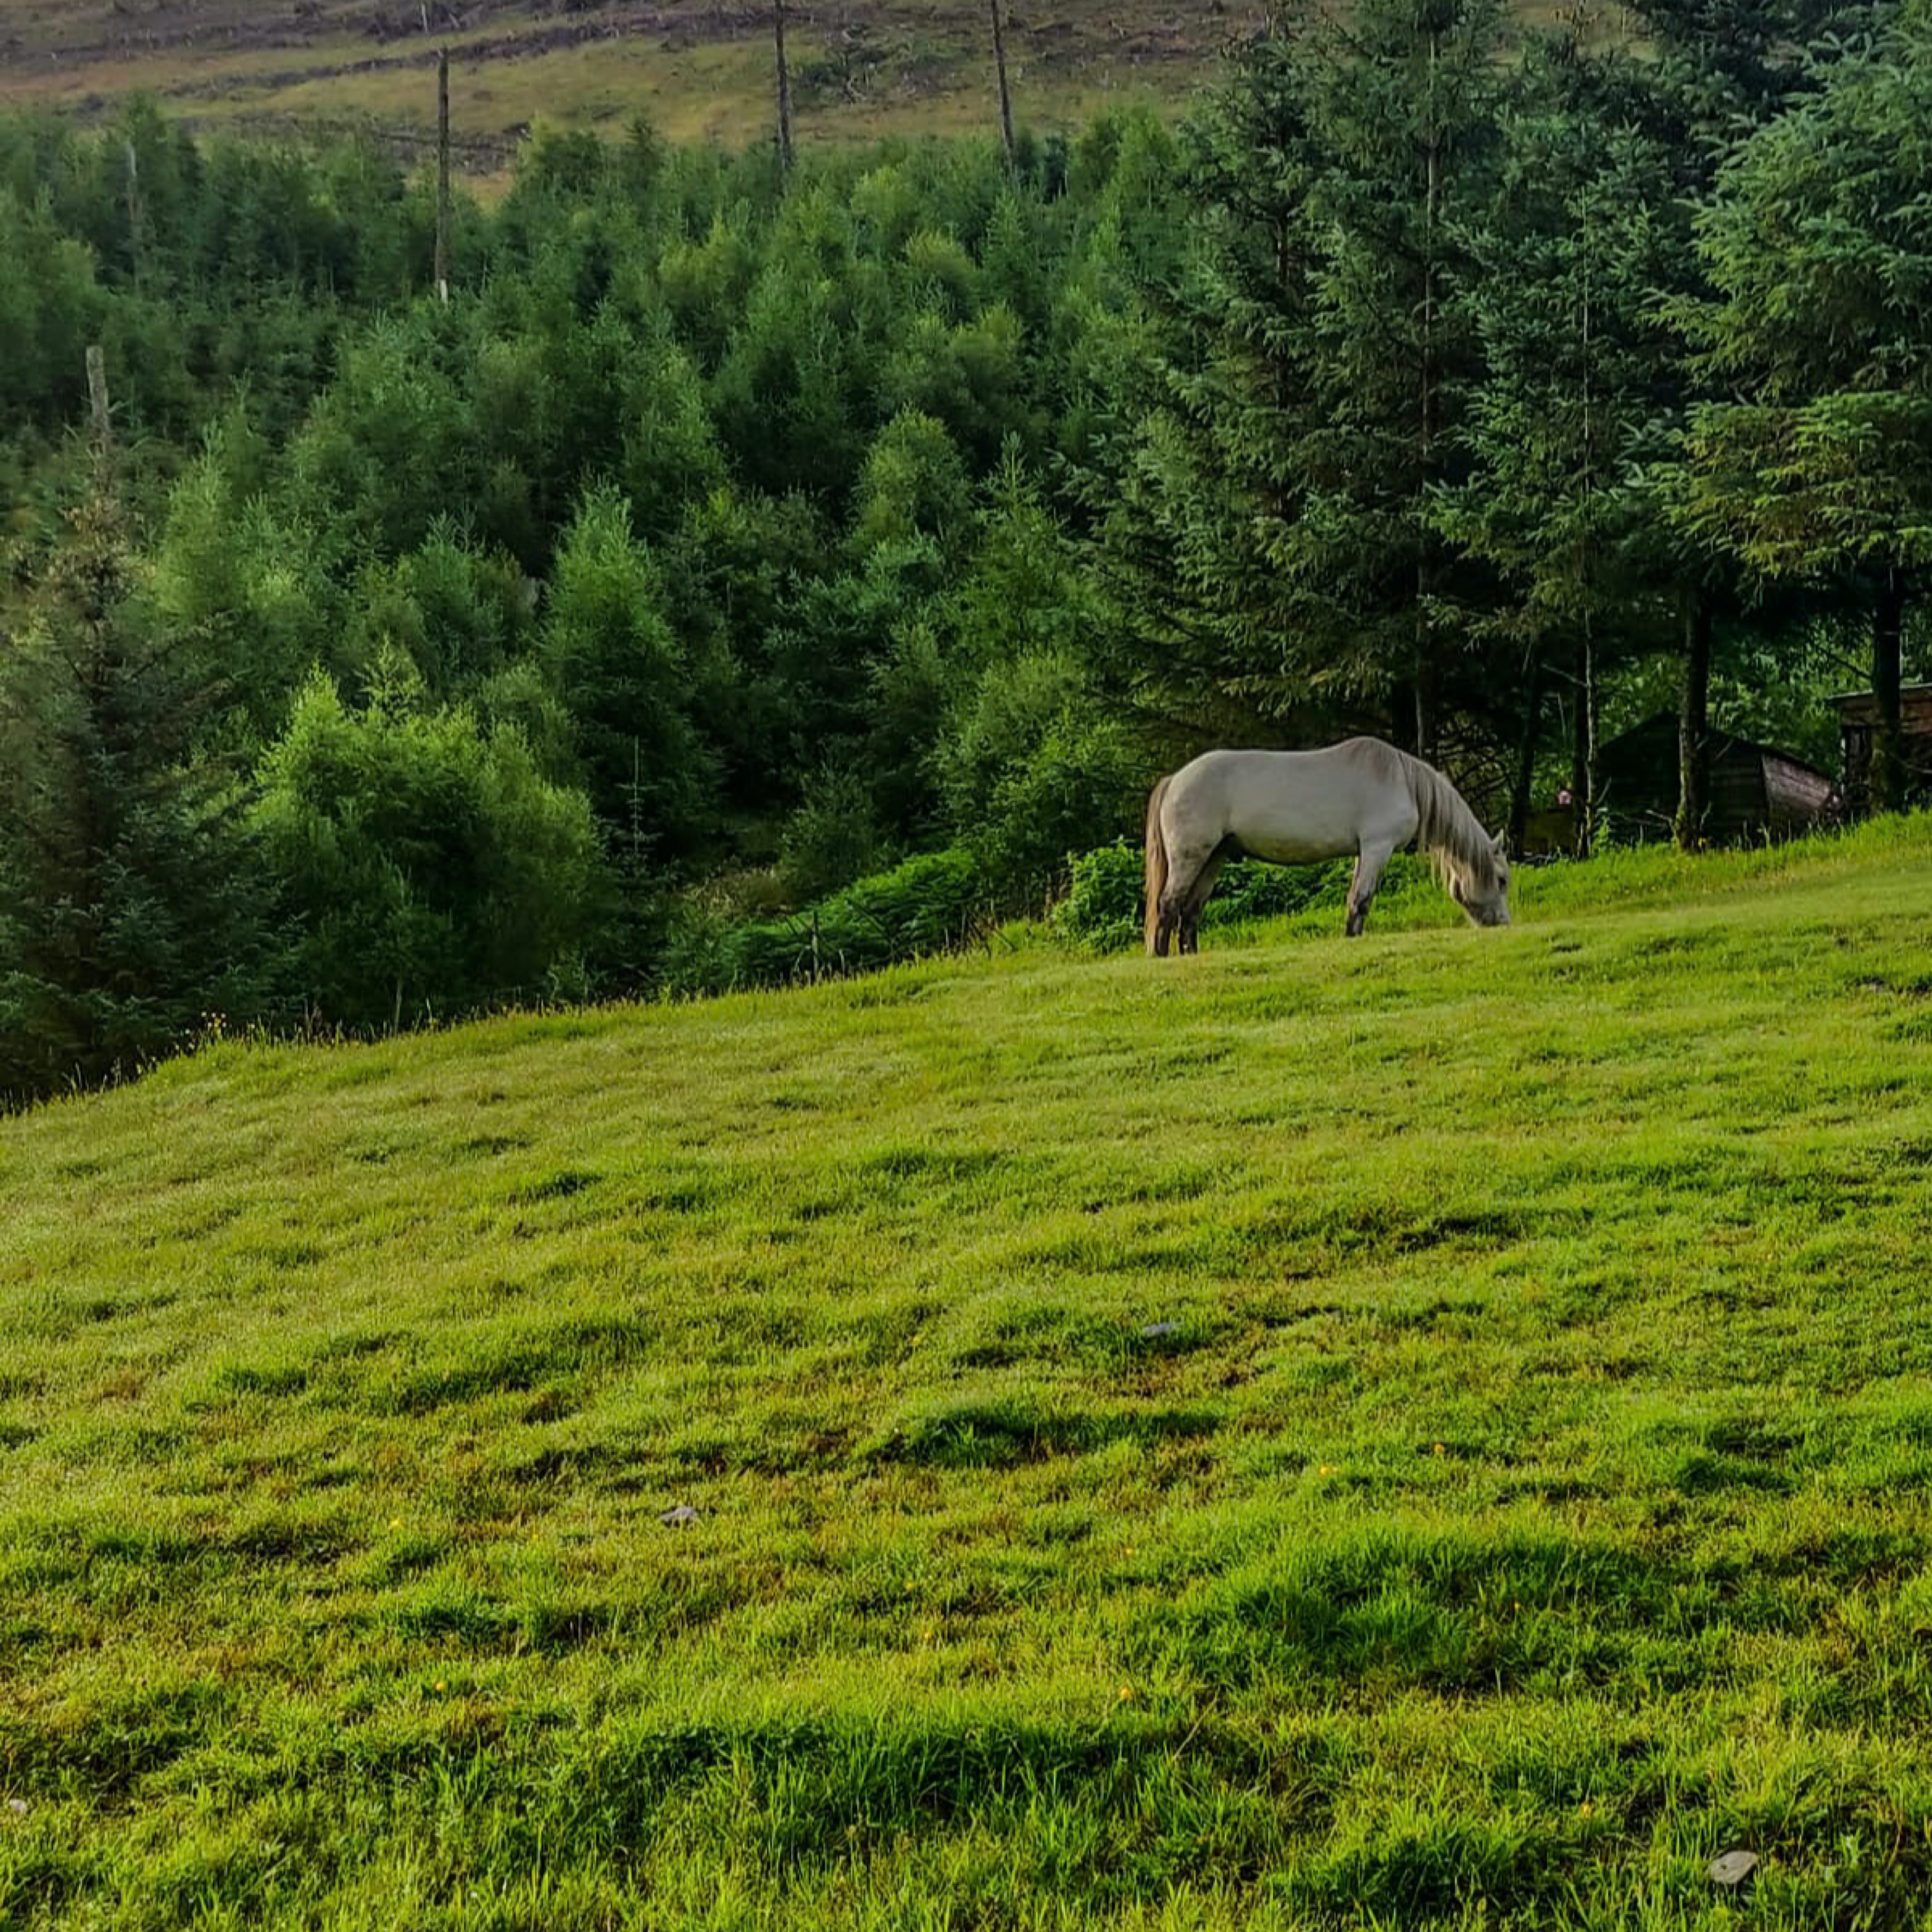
x=1293 y=807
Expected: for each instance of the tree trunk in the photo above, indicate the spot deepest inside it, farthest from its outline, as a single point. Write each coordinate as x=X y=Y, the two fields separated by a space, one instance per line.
x=1405 y=709
x=1425 y=558
x=134 y=220
x=442 y=174
x=1693 y=722
x=1428 y=748
x=97 y=396
x=1888 y=759
x=784 y=87
x=1525 y=760
x=1006 y=99
x=1583 y=749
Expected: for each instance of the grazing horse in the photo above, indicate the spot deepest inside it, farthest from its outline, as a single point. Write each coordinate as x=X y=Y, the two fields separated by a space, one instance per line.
x=1362 y=798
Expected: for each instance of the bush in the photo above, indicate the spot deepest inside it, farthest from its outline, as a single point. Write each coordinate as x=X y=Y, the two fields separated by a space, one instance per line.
x=927 y=905
x=1102 y=912
x=1031 y=763
x=832 y=837
x=422 y=858
x=1249 y=889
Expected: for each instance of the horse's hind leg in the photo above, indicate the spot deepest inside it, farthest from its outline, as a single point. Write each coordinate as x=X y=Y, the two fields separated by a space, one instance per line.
x=1190 y=877
x=1369 y=864
x=1197 y=897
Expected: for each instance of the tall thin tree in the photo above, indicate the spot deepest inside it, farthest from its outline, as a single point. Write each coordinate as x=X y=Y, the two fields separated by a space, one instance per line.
x=443 y=174
x=784 y=85
x=1813 y=468
x=1006 y=97
x=97 y=396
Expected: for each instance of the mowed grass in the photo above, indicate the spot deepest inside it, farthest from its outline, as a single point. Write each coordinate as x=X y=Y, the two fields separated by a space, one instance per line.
x=1431 y=1431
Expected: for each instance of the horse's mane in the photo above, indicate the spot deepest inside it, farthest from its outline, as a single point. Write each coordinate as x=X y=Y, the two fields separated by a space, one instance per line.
x=1446 y=829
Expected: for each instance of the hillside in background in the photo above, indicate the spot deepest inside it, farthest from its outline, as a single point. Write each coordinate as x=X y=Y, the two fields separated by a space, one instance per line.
x=1431 y=1431
x=699 y=68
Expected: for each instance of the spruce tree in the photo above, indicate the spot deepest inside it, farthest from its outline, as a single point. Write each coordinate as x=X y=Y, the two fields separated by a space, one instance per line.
x=1817 y=464
x=130 y=899
x=1270 y=526
x=1582 y=383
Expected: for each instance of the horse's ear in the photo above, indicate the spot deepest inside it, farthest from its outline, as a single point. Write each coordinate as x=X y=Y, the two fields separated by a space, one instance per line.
x=1500 y=840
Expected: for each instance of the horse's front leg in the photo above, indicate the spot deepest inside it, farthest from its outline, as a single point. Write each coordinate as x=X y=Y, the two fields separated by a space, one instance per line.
x=1368 y=863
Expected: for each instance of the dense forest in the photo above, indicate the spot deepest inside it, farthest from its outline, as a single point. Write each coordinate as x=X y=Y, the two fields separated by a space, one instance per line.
x=745 y=551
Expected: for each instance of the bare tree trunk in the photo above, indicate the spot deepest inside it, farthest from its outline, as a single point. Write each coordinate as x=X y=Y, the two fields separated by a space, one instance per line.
x=785 y=86
x=1888 y=758
x=1428 y=746
x=134 y=249
x=1425 y=573
x=1006 y=99
x=1525 y=760
x=443 y=174
x=97 y=394
x=1583 y=748
x=1404 y=710
x=1693 y=722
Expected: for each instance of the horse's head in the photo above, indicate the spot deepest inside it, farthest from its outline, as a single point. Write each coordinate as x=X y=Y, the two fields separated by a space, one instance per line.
x=1482 y=890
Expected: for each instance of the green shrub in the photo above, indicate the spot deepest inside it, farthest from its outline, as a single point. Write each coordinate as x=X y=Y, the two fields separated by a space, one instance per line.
x=928 y=904
x=832 y=837
x=1101 y=911
x=421 y=858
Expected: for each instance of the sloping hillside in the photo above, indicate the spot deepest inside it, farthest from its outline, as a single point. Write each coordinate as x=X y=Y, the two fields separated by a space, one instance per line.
x=698 y=67
x=1435 y=1429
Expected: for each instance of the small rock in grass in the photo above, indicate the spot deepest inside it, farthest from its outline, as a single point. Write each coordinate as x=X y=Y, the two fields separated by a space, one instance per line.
x=18 y=1806
x=1154 y=1328
x=1733 y=1868
x=678 y=1518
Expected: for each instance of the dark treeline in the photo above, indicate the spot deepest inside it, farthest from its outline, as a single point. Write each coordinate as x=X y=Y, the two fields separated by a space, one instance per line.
x=733 y=534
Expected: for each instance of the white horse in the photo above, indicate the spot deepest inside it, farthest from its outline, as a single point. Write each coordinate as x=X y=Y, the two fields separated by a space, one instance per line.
x=1361 y=797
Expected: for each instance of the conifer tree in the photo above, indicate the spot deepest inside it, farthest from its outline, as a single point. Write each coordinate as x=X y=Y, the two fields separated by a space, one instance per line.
x=1271 y=525
x=1581 y=385
x=130 y=902
x=1816 y=464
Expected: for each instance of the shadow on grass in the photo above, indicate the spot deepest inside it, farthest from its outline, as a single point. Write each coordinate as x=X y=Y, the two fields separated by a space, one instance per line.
x=1468 y=1614
x=999 y=1431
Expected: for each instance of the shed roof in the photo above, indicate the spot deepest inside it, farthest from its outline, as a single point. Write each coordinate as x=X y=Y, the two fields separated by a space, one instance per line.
x=1721 y=743
x=1868 y=697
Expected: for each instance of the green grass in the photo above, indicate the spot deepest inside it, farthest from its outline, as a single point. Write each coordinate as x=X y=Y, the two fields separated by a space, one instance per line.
x=1429 y=1431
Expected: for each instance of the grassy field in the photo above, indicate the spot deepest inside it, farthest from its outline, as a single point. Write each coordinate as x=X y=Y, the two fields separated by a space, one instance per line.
x=862 y=69
x=701 y=70
x=1433 y=1431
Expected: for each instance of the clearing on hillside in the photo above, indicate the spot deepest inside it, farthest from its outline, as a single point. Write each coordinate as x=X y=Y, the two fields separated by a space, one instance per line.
x=1434 y=1431
x=699 y=69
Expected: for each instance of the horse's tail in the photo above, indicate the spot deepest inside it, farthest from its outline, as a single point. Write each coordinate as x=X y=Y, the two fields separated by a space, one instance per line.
x=1156 y=861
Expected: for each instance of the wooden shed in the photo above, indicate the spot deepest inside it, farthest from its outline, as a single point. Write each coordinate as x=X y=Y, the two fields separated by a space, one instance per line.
x=1858 y=715
x=1755 y=791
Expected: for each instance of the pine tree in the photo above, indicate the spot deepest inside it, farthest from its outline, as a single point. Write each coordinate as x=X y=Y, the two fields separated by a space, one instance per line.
x=1723 y=61
x=1582 y=383
x=1269 y=528
x=1194 y=494
x=1818 y=465
x=130 y=900
x=1404 y=118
